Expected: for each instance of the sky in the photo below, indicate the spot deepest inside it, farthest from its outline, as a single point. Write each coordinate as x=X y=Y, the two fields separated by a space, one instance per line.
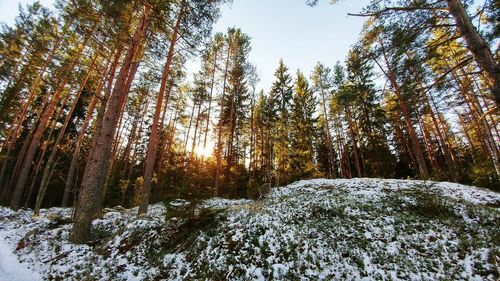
x=280 y=29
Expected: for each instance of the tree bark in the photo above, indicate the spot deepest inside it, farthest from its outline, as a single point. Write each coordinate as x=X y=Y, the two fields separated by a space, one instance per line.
x=91 y=194
x=422 y=166
x=48 y=166
x=30 y=153
x=477 y=45
x=153 y=139
x=354 y=142
x=219 y=132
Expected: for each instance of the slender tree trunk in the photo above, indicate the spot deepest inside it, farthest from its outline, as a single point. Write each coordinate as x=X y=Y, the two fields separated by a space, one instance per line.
x=329 y=146
x=91 y=195
x=30 y=153
x=484 y=132
x=44 y=148
x=219 y=133
x=447 y=150
x=196 y=125
x=48 y=166
x=477 y=45
x=188 y=132
x=153 y=139
x=354 y=142
x=74 y=159
x=15 y=130
x=76 y=152
x=229 y=156
x=428 y=145
x=212 y=84
x=422 y=166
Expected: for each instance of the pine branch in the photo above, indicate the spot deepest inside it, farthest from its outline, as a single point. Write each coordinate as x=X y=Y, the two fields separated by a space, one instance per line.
x=397 y=9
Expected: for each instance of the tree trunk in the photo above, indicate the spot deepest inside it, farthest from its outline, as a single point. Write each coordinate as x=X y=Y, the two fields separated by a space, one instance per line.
x=74 y=159
x=153 y=139
x=48 y=166
x=422 y=166
x=76 y=152
x=212 y=84
x=331 y=155
x=477 y=45
x=90 y=198
x=219 y=132
x=354 y=142
x=30 y=153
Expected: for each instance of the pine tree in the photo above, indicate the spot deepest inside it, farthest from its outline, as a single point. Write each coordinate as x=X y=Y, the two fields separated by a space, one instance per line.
x=281 y=99
x=322 y=85
x=303 y=129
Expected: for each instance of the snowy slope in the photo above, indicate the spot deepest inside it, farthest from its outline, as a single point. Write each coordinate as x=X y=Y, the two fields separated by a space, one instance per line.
x=359 y=229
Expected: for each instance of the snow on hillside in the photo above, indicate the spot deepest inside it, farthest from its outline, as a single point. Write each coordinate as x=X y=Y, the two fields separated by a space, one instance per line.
x=359 y=229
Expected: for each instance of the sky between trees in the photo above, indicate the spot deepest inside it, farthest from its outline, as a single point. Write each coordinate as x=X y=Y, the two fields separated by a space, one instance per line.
x=280 y=29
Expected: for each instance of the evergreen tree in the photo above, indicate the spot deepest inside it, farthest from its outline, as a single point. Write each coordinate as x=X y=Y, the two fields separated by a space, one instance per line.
x=303 y=124
x=281 y=99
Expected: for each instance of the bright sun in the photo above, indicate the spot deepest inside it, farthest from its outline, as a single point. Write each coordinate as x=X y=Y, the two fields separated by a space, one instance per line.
x=204 y=151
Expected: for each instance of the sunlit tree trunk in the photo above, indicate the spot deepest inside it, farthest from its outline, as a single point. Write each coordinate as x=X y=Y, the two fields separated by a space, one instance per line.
x=52 y=157
x=477 y=45
x=153 y=138
x=422 y=166
x=30 y=153
x=90 y=198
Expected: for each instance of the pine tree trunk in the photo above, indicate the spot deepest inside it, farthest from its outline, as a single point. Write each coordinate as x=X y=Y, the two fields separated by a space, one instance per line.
x=219 y=133
x=48 y=166
x=44 y=148
x=229 y=156
x=196 y=125
x=76 y=152
x=447 y=150
x=212 y=84
x=477 y=45
x=90 y=198
x=188 y=132
x=74 y=159
x=30 y=153
x=15 y=130
x=153 y=139
x=484 y=133
x=354 y=142
x=422 y=166
x=331 y=155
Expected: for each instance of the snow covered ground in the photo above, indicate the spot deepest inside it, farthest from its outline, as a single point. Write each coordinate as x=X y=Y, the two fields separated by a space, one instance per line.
x=10 y=268
x=359 y=229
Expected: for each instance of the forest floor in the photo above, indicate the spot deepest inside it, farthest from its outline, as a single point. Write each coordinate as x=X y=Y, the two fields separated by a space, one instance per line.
x=359 y=229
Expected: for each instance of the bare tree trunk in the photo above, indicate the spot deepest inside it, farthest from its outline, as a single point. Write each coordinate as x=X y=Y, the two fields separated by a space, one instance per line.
x=196 y=125
x=188 y=132
x=30 y=153
x=477 y=45
x=153 y=139
x=212 y=84
x=329 y=146
x=74 y=159
x=422 y=166
x=76 y=152
x=354 y=142
x=91 y=194
x=48 y=166
x=44 y=148
x=219 y=133
x=15 y=130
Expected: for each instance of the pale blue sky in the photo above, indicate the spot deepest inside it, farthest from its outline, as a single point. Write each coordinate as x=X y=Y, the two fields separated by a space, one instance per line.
x=299 y=34
x=286 y=29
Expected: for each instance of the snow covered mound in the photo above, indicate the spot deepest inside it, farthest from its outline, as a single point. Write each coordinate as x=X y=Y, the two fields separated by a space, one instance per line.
x=359 y=229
